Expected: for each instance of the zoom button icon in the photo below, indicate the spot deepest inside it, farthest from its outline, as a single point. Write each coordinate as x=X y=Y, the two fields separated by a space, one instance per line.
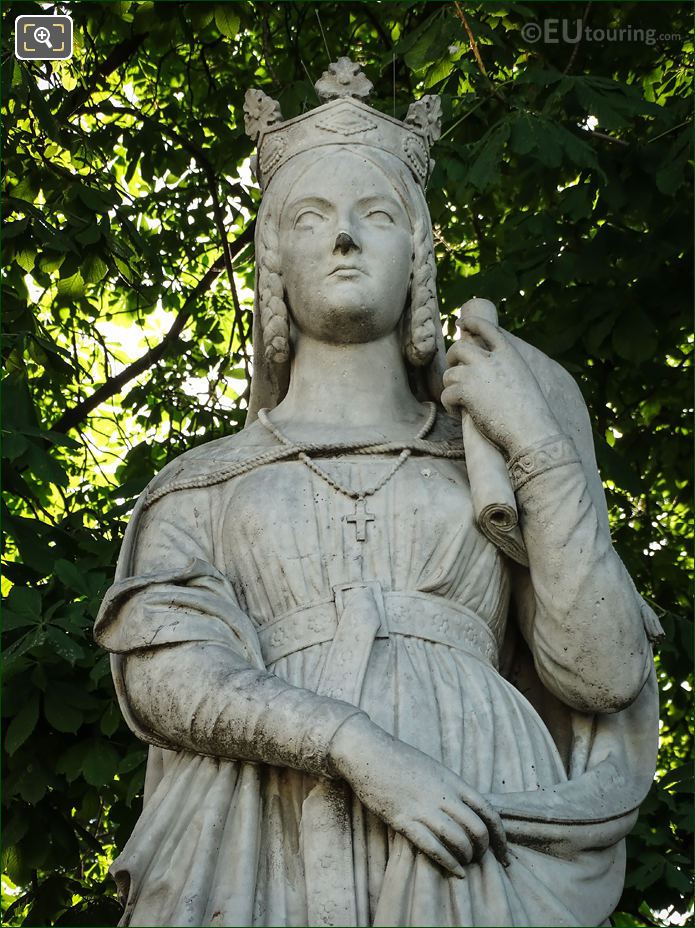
x=43 y=38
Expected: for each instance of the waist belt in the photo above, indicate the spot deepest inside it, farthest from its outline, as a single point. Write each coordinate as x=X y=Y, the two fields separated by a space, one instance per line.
x=409 y=613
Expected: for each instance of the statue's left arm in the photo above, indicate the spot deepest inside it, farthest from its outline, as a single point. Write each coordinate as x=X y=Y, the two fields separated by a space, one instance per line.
x=577 y=606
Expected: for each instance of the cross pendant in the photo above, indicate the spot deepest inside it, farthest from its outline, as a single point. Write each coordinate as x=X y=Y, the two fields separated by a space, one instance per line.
x=360 y=517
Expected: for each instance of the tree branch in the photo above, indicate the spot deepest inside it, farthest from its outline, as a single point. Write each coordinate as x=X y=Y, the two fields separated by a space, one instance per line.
x=607 y=138
x=573 y=56
x=120 y=54
x=476 y=51
x=113 y=385
x=471 y=38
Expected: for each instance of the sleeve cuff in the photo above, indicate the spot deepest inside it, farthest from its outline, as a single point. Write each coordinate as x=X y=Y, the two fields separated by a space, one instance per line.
x=318 y=736
x=539 y=458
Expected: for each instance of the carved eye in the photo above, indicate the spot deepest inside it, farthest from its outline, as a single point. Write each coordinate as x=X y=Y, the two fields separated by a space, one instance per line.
x=308 y=219
x=380 y=217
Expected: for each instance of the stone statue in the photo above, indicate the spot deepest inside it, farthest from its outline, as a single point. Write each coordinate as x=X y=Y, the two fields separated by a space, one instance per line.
x=389 y=666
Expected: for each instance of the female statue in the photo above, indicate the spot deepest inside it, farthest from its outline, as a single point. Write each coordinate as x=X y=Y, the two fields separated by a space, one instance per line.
x=363 y=707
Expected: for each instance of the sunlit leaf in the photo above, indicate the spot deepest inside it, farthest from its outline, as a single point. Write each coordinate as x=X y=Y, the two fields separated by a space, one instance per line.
x=227 y=19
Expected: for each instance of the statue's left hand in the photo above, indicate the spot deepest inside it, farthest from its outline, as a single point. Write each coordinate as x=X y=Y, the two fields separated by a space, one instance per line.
x=489 y=379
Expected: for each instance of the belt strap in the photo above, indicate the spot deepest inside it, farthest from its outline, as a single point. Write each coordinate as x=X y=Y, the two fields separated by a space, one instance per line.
x=326 y=832
x=408 y=613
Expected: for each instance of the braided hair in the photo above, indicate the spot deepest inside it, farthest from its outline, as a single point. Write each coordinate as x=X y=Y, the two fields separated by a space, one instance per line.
x=275 y=319
x=419 y=331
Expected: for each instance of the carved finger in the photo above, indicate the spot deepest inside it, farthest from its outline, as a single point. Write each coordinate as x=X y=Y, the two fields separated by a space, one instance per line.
x=452 y=399
x=474 y=826
x=465 y=351
x=491 y=335
x=484 y=811
x=457 y=838
x=453 y=376
x=424 y=840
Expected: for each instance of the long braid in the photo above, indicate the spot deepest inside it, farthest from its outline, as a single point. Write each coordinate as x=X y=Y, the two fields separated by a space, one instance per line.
x=274 y=315
x=420 y=332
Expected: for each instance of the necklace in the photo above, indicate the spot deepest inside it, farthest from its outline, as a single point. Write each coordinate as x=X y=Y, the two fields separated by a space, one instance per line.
x=360 y=517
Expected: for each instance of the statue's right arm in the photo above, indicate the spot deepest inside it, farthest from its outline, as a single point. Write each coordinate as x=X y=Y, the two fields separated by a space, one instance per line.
x=190 y=673
x=203 y=697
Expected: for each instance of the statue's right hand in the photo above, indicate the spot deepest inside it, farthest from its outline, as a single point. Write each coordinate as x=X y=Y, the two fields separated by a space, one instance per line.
x=417 y=796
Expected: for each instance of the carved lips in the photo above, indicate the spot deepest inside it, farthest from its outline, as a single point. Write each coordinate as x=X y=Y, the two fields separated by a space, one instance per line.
x=346 y=270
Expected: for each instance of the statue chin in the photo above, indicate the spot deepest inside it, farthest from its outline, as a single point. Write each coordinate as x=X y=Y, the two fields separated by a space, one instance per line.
x=353 y=321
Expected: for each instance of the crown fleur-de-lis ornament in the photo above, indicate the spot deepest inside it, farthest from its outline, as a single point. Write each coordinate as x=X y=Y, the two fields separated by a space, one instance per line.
x=260 y=111
x=427 y=114
x=343 y=78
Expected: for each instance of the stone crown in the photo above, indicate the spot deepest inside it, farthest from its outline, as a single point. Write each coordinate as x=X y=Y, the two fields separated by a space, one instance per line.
x=343 y=120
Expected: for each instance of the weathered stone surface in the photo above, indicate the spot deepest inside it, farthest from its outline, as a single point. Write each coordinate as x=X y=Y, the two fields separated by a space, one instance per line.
x=391 y=670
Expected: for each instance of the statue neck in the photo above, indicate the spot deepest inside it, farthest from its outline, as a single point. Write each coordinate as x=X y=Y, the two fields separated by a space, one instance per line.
x=349 y=386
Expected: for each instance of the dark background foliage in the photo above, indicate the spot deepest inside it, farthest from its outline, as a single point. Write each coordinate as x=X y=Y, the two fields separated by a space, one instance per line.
x=562 y=191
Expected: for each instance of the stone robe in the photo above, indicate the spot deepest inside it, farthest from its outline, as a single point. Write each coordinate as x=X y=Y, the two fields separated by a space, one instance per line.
x=244 y=566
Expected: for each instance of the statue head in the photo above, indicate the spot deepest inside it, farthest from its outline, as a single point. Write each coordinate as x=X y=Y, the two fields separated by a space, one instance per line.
x=344 y=246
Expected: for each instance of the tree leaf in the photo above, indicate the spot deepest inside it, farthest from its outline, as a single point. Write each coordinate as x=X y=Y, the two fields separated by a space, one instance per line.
x=227 y=20
x=110 y=720
x=486 y=166
x=26 y=601
x=93 y=269
x=636 y=340
x=63 y=644
x=523 y=135
x=32 y=784
x=25 y=259
x=23 y=724
x=71 y=761
x=100 y=763
x=96 y=199
x=71 y=286
x=11 y=229
x=72 y=576
x=62 y=716
x=40 y=106
x=89 y=235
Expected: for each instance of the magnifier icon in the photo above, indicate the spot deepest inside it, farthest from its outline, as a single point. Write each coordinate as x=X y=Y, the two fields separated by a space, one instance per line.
x=41 y=34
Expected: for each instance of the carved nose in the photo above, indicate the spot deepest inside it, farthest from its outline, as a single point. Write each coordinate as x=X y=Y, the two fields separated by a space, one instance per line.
x=344 y=243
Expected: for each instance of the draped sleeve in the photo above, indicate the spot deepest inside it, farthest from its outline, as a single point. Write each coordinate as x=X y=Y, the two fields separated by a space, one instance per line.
x=577 y=607
x=583 y=623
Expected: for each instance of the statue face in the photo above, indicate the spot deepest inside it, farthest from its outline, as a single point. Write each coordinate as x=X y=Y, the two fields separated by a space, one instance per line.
x=345 y=251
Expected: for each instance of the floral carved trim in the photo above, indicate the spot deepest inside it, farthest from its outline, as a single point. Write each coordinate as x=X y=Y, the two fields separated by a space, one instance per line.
x=260 y=112
x=344 y=78
x=426 y=114
x=529 y=463
x=270 y=154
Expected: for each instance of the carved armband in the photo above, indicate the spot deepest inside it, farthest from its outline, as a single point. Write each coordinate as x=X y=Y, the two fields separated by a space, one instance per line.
x=537 y=459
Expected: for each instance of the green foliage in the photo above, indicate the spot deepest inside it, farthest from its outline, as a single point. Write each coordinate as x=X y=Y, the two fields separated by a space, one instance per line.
x=561 y=191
